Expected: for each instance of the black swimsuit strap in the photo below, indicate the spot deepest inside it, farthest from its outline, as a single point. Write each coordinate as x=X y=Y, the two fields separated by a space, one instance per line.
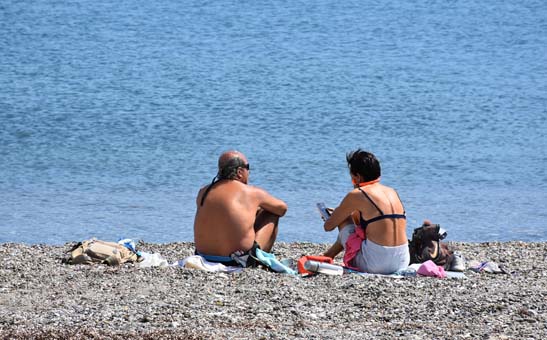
x=215 y=181
x=364 y=223
x=371 y=201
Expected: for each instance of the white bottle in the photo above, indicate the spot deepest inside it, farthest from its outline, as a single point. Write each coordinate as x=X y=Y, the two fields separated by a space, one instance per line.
x=325 y=268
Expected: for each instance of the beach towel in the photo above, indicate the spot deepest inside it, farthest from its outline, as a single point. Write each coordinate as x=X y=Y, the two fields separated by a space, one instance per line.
x=409 y=272
x=272 y=263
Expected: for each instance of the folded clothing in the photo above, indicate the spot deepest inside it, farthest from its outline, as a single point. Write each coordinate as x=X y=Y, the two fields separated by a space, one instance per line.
x=487 y=267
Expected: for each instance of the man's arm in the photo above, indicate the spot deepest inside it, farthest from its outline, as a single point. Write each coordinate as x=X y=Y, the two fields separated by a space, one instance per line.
x=270 y=203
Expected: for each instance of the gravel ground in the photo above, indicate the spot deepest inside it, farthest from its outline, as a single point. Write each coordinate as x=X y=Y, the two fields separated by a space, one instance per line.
x=43 y=299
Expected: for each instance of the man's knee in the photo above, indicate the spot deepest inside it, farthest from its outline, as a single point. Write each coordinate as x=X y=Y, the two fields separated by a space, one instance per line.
x=266 y=228
x=265 y=218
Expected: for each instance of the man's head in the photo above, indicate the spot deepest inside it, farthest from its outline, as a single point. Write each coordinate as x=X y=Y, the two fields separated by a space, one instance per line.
x=233 y=165
x=363 y=165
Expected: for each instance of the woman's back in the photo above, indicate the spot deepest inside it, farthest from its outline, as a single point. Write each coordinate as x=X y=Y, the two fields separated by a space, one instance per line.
x=382 y=212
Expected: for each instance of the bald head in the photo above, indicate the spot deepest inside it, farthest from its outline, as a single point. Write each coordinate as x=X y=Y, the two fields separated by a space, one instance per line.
x=229 y=162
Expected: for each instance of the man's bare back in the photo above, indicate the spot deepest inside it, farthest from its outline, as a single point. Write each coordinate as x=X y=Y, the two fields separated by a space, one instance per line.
x=234 y=215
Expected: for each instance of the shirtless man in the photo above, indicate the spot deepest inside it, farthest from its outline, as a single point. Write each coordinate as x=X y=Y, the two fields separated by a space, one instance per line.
x=232 y=215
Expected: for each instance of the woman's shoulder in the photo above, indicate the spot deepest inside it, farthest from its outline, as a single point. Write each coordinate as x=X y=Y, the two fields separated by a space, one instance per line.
x=354 y=192
x=378 y=191
x=385 y=187
x=353 y=196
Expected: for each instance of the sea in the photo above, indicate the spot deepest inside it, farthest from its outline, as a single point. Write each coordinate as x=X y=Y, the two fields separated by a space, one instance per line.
x=113 y=113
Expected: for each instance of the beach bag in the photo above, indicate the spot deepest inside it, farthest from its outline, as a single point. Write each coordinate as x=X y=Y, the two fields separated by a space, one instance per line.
x=97 y=251
x=426 y=245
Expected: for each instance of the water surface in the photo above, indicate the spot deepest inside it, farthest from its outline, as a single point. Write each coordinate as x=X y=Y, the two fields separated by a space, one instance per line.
x=113 y=114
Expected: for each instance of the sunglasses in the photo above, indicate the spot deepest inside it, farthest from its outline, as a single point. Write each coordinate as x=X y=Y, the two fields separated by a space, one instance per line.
x=246 y=166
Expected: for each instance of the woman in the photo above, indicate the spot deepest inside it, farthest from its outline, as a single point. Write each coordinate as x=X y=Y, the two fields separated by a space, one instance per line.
x=371 y=221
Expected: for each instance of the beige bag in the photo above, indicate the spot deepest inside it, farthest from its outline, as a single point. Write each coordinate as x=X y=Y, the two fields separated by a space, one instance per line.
x=96 y=251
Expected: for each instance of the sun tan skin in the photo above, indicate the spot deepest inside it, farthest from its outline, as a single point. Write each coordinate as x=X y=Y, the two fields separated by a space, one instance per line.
x=236 y=214
x=386 y=232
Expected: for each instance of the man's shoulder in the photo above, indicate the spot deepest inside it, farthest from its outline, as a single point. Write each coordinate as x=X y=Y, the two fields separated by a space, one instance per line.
x=254 y=189
x=232 y=187
x=202 y=189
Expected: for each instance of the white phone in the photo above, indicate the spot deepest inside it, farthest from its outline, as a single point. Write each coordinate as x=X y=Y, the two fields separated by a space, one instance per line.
x=323 y=211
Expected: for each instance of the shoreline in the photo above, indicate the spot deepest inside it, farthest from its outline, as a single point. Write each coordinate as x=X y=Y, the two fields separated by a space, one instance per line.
x=42 y=298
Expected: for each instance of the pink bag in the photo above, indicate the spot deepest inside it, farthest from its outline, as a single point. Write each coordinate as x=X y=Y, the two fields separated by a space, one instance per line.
x=429 y=268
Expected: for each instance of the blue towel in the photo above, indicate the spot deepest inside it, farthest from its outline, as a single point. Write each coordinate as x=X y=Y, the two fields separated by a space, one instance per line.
x=270 y=261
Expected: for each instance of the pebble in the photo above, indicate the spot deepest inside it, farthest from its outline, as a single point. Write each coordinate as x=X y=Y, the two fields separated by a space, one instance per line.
x=42 y=298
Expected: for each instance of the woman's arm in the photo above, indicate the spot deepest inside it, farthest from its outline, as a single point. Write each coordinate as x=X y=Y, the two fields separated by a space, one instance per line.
x=342 y=212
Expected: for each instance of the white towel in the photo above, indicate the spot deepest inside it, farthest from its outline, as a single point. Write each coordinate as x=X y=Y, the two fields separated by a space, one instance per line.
x=152 y=260
x=198 y=262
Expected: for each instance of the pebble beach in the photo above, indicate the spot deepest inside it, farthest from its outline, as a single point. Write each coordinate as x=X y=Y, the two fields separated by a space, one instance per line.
x=41 y=298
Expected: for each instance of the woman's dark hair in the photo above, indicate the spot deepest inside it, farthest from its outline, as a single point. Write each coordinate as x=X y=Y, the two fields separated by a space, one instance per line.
x=228 y=169
x=363 y=163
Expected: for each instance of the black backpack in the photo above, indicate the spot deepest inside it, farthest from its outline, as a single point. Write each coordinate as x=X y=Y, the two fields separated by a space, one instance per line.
x=426 y=245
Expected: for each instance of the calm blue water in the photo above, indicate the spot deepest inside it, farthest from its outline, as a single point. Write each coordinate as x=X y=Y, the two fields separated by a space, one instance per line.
x=113 y=113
